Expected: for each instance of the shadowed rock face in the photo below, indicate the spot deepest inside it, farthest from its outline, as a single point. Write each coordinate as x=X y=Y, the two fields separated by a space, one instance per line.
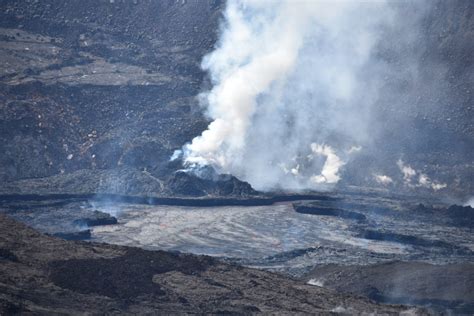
x=314 y=209
x=124 y=277
x=6 y=254
x=42 y=274
x=97 y=219
x=77 y=235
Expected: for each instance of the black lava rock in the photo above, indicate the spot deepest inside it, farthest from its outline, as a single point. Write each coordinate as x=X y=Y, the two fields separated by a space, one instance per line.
x=79 y=235
x=97 y=219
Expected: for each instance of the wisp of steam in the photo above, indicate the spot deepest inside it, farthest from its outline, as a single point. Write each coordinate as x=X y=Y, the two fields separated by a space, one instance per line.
x=294 y=83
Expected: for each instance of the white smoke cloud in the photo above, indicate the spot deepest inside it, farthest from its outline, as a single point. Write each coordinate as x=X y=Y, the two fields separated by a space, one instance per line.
x=407 y=171
x=469 y=202
x=383 y=179
x=316 y=282
x=287 y=76
x=295 y=171
x=247 y=62
x=438 y=186
x=354 y=149
x=330 y=171
x=423 y=180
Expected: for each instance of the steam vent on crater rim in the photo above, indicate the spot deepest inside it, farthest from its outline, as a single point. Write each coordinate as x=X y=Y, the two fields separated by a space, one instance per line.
x=236 y=157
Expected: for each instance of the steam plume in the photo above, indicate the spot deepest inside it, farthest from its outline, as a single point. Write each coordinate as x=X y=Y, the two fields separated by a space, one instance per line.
x=294 y=83
x=423 y=180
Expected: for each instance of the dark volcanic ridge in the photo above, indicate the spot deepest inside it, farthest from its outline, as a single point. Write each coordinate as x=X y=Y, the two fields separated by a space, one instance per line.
x=43 y=275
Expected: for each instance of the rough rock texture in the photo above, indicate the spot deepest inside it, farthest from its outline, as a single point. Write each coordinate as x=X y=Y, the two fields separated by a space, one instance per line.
x=45 y=275
x=98 y=94
x=97 y=218
x=458 y=215
x=80 y=87
x=443 y=288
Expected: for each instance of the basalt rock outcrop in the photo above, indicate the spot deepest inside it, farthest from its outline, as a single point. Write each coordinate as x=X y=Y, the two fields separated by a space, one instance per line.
x=97 y=218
